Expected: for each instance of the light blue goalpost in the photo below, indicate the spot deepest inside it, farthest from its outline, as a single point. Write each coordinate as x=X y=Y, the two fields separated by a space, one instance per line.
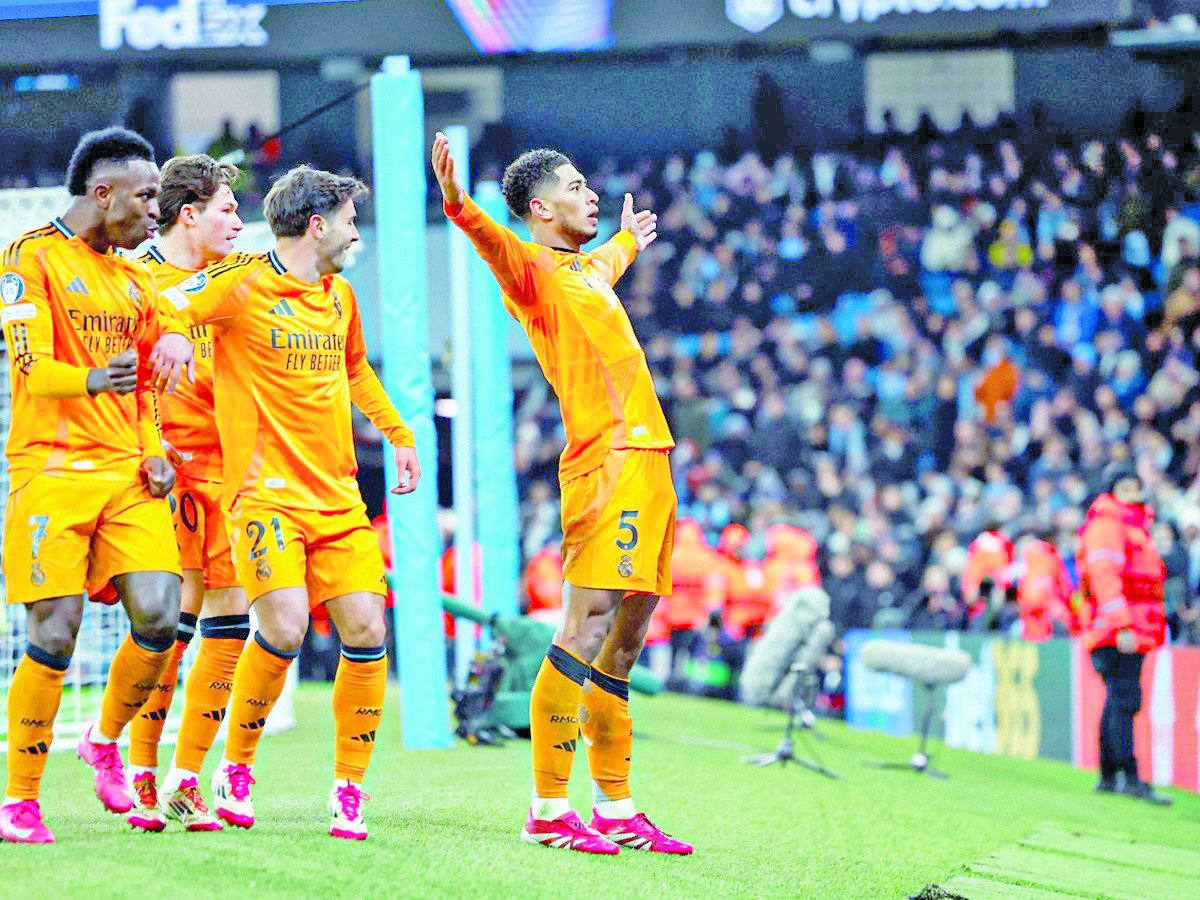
x=398 y=128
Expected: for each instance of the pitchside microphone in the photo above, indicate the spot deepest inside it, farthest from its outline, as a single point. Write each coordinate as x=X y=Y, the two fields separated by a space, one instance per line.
x=793 y=641
x=926 y=665
x=921 y=663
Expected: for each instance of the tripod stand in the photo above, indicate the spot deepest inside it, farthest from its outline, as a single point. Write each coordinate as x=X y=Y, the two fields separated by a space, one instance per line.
x=920 y=760
x=798 y=714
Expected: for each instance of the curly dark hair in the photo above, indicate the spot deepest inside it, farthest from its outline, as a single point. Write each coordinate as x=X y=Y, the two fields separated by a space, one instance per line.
x=111 y=144
x=528 y=174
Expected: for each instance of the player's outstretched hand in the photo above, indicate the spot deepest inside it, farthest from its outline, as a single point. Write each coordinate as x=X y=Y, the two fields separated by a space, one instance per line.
x=118 y=377
x=444 y=170
x=409 y=469
x=643 y=225
x=159 y=475
x=172 y=356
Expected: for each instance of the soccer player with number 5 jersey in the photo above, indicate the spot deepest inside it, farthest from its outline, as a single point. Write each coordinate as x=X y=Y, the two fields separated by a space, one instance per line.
x=618 y=501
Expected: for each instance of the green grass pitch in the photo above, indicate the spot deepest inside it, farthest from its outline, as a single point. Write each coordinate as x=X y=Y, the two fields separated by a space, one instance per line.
x=445 y=824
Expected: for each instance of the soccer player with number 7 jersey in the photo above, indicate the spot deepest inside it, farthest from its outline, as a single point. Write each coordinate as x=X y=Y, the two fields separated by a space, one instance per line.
x=88 y=474
x=618 y=501
x=289 y=360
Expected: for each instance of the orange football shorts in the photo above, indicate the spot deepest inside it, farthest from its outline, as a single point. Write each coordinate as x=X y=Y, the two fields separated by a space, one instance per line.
x=200 y=531
x=329 y=553
x=619 y=524
x=65 y=535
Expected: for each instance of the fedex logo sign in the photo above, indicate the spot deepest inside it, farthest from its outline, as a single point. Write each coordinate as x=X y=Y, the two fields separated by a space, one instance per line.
x=183 y=25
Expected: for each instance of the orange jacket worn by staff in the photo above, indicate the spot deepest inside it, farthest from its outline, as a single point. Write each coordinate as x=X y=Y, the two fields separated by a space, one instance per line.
x=543 y=583
x=1043 y=592
x=697 y=577
x=989 y=557
x=1121 y=576
x=791 y=563
x=747 y=602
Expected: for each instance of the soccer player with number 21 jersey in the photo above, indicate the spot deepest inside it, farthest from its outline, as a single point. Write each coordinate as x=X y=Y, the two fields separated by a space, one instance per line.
x=290 y=359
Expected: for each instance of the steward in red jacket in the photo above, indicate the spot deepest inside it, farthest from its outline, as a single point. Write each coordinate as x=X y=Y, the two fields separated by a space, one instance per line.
x=1121 y=577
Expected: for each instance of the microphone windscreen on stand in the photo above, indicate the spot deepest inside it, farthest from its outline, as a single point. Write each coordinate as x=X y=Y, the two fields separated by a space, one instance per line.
x=795 y=639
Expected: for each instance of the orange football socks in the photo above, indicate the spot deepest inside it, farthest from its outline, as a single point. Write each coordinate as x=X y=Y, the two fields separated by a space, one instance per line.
x=145 y=731
x=554 y=720
x=132 y=678
x=608 y=731
x=33 y=698
x=358 y=690
x=257 y=683
x=209 y=687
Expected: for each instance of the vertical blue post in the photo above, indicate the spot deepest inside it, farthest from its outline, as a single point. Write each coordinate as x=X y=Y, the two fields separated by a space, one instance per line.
x=495 y=468
x=463 y=471
x=398 y=126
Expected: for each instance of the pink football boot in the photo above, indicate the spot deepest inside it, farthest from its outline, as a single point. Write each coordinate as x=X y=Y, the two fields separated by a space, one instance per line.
x=639 y=833
x=21 y=823
x=567 y=832
x=104 y=759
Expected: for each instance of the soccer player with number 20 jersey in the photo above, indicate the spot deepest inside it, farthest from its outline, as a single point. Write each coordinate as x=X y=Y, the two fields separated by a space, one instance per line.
x=198 y=212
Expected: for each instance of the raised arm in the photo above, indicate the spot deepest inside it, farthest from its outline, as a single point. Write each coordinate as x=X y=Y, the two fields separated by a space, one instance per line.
x=638 y=231
x=510 y=259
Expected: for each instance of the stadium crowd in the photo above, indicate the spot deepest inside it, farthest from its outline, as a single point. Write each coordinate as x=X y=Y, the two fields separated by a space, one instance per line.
x=896 y=348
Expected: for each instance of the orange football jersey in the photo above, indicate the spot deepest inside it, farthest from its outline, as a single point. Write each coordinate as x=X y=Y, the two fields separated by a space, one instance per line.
x=581 y=336
x=67 y=310
x=188 y=422
x=289 y=360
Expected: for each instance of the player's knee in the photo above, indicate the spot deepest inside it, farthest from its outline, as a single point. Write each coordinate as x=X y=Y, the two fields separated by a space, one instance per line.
x=367 y=633
x=284 y=636
x=54 y=641
x=56 y=632
x=155 y=630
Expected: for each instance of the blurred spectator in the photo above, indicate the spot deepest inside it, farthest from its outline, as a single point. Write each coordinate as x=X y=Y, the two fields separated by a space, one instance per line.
x=1044 y=592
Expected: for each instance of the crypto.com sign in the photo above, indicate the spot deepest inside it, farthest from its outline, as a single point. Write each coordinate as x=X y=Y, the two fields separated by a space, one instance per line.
x=186 y=24
x=757 y=15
